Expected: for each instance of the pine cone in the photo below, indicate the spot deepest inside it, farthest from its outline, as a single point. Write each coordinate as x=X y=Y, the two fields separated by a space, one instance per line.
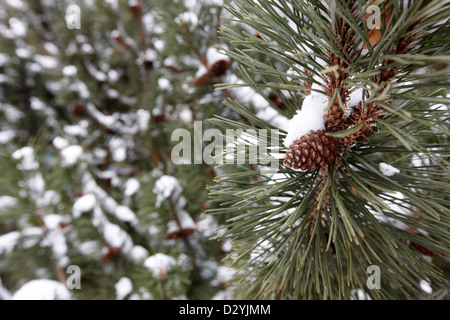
x=219 y=67
x=312 y=151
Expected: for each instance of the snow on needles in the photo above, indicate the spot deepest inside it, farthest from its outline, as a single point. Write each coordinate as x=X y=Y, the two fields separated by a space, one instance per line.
x=310 y=117
x=388 y=170
x=159 y=264
x=123 y=288
x=42 y=289
x=213 y=55
x=166 y=187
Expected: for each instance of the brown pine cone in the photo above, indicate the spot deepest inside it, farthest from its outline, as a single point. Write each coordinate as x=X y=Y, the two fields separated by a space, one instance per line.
x=312 y=151
x=219 y=67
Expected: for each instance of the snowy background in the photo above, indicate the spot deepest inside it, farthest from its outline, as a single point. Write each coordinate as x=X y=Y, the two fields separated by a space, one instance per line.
x=86 y=176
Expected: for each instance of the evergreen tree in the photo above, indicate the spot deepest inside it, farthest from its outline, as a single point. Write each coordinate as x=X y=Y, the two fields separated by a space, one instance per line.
x=361 y=193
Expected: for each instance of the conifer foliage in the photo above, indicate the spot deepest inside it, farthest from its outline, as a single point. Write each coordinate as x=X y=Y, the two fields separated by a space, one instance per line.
x=317 y=229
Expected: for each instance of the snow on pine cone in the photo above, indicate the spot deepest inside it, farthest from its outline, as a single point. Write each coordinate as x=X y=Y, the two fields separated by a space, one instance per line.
x=311 y=151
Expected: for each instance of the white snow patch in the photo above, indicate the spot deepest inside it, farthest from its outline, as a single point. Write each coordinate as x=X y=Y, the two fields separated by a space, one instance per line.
x=89 y=247
x=8 y=241
x=213 y=55
x=159 y=264
x=123 y=288
x=71 y=155
x=83 y=204
x=208 y=226
x=47 y=62
x=26 y=154
x=18 y=27
x=18 y=4
x=185 y=220
x=125 y=214
x=116 y=237
x=87 y=49
x=131 y=187
x=388 y=170
x=51 y=48
x=60 y=143
x=7 y=201
x=164 y=84
x=310 y=117
x=188 y=18
x=143 y=118
x=69 y=71
x=31 y=236
x=224 y=275
x=165 y=187
x=138 y=254
x=42 y=289
x=6 y=136
x=425 y=286
x=77 y=129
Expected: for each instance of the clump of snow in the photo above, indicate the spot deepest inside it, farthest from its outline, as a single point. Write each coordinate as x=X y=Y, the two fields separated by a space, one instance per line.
x=51 y=48
x=83 y=204
x=18 y=27
x=125 y=214
x=388 y=170
x=310 y=117
x=69 y=71
x=138 y=254
x=186 y=222
x=224 y=275
x=188 y=18
x=55 y=239
x=42 y=289
x=131 y=187
x=7 y=201
x=165 y=187
x=71 y=155
x=159 y=264
x=118 y=149
x=6 y=136
x=77 y=129
x=202 y=71
x=116 y=237
x=143 y=118
x=26 y=154
x=164 y=84
x=87 y=49
x=60 y=143
x=8 y=241
x=46 y=62
x=31 y=236
x=185 y=114
x=37 y=104
x=207 y=225
x=123 y=288
x=213 y=55
x=18 y=4
x=425 y=286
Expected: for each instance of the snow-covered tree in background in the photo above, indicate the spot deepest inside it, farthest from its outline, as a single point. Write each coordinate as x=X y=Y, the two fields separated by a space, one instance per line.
x=86 y=117
x=86 y=175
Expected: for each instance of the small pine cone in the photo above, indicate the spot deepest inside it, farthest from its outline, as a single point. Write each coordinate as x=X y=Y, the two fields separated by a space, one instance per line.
x=312 y=151
x=219 y=67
